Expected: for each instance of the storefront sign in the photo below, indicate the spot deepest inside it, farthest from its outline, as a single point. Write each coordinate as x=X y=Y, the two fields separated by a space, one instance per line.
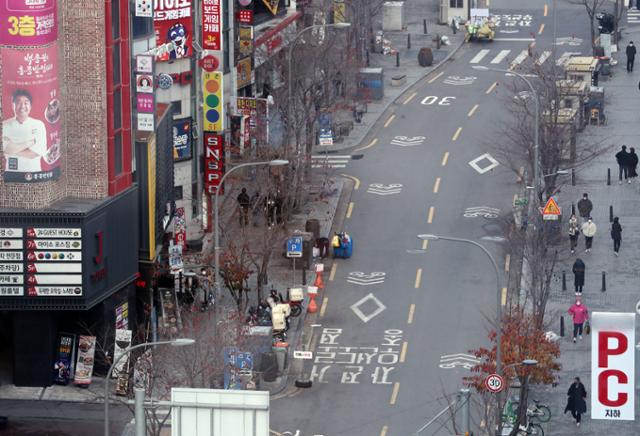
x=144 y=103
x=28 y=22
x=182 y=139
x=145 y=122
x=257 y=110
x=144 y=83
x=613 y=366
x=184 y=79
x=122 y=342
x=180 y=228
x=144 y=63
x=144 y=8
x=240 y=137
x=244 y=16
x=213 y=162
x=84 y=365
x=272 y=5
x=32 y=111
x=211 y=25
x=173 y=26
x=244 y=73
x=122 y=316
x=245 y=41
x=210 y=63
x=339 y=11
x=62 y=366
x=213 y=102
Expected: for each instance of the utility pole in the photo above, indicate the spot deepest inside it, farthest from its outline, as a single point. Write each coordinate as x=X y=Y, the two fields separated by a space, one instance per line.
x=462 y=401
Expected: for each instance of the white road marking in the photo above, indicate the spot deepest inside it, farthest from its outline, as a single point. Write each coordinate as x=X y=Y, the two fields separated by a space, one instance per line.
x=380 y=189
x=565 y=57
x=481 y=211
x=521 y=57
x=500 y=57
x=404 y=141
x=457 y=80
x=363 y=279
x=543 y=57
x=329 y=161
x=369 y=298
x=477 y=58
x=515 y=39
x=492 y=163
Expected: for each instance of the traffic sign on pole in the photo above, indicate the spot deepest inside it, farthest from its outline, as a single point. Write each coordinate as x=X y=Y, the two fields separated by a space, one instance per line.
x=494 y=383
x=294 y=246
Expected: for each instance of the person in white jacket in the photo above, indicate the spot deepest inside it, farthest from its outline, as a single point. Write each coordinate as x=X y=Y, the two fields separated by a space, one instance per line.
x=589 y=231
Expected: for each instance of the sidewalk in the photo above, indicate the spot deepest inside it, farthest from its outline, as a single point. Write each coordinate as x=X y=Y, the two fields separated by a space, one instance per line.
x=415 y=12
x=621 y=104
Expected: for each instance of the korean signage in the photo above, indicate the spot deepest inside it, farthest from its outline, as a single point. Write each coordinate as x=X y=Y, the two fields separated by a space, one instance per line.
x=62 y=365
x=613 y=366
x=245 y=41
x=211 y=25
x=213 y=162
x=86 y=355
x=144 y=83
x=180 y=228
x=144 y=103
x=31 y=121
x=244 y=72
x=258 y=112
x=173 y=26
x=213 y=101
x=240 y=139
x=182 y=139
x=28 y=22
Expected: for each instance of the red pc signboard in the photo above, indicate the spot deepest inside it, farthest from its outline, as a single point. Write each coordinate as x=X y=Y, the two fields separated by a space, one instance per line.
x=213 y=162
x=613 y=366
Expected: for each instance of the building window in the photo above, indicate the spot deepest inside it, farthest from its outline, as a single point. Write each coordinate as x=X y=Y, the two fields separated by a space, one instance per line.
x=117 y=152
x=456 y=3
x=117 y=108
x=142 y=27
x=115 y=21
x=177 y=192
x=116 y=63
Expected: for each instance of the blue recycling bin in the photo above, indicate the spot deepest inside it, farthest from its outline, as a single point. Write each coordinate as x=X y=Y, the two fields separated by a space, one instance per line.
x=345 y=250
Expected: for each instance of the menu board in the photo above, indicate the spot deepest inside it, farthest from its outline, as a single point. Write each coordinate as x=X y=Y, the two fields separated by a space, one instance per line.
x=41 y=261
x=86 y=355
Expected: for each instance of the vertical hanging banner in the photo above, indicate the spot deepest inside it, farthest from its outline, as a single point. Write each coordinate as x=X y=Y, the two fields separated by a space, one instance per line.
x=32 y=111
x=211 y=25
x=213 y=102
x=213 y=162
x=613 y=366
x=173 y=25
x=28 y=22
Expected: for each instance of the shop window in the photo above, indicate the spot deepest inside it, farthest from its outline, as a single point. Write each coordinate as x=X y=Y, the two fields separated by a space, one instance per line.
x=456 y=3
x=177 y=192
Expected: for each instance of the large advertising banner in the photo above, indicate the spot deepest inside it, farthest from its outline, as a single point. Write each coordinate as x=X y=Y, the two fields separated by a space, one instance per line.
x=182 y=139
x=31 y=114
x=213 y=162
x=613 y=366
x=63 y=365
x=173 y=25
x=211 y=25
x=28 y=22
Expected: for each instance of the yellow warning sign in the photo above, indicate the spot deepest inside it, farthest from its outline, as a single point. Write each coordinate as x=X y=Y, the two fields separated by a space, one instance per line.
x=551 y=208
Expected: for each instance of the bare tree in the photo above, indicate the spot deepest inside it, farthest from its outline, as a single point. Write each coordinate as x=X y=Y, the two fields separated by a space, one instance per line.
x=592 y=7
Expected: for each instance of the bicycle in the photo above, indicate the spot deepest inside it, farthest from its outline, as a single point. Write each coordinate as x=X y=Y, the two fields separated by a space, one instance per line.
x=531 y=429
x=538 y=411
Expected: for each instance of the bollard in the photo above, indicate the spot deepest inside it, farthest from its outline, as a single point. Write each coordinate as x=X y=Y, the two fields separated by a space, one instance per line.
x=610 y=214
x=454 y=26
x=573 y=208
x=408 y=40
x=438 y=41
x=564 y=280
x=573 y=177
x=608 y=176
x=562 y=326
x=397 y=59
x=304 y=276
x=367 y=53
x=424 y=23
x=604 y=282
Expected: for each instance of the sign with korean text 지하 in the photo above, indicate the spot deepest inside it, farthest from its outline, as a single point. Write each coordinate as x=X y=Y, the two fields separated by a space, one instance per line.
x=211 y=25
x=613 y=366
x=28 y=22
x=213 y=162
x=173 y=25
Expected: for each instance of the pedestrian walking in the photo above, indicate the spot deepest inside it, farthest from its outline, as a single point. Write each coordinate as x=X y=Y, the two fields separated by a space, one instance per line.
x=579 y=314
x=244 y=202
x=585 y=206
x=589 y=231
x=633 y=163
x=576 y=403
x=616 y=235
x=631 y=55
x=578 y=275
x=622 y=157
x=574 y=232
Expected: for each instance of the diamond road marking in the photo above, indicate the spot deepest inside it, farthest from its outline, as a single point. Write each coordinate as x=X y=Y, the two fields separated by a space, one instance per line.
x=492 y=163
x=366 y=318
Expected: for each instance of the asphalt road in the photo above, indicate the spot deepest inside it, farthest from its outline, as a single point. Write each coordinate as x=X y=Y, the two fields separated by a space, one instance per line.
x=397 y=322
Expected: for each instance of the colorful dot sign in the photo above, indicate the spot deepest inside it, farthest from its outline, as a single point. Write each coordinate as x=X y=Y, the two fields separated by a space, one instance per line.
x=213 y=104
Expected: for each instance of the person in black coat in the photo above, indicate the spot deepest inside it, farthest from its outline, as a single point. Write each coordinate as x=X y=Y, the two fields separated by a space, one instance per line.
x=633 y=163
x=631 y=55
x=616 y=235
x=622 y=157
x=575 y=401
x=578 y=275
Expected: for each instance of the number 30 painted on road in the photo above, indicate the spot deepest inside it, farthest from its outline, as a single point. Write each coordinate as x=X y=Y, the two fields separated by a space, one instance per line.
x=431 y=99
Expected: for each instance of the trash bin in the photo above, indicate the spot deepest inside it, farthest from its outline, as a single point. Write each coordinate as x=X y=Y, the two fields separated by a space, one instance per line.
x=269 y=366
x=280 y=353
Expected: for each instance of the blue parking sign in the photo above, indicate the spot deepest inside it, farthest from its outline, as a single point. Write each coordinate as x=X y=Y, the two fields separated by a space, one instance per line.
x=294 y=246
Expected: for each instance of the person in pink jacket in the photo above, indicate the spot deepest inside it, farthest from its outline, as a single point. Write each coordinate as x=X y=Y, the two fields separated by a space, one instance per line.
x=579 y=313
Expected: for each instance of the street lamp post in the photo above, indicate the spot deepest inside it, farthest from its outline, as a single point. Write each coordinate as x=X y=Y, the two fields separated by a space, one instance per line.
x=180 y=342
x=216 y=232
x=536 y=129
x=290 y=60
x=429 y=237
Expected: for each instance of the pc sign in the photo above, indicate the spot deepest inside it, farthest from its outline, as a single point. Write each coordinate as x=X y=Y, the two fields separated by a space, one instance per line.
x=613 y=366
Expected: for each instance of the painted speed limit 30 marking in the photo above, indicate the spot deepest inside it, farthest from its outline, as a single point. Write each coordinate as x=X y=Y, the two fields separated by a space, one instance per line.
x=435 y=100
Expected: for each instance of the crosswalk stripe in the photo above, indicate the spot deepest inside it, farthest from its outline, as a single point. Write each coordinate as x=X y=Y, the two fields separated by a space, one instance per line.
x=543 y=57
x=566 y=55
x=332 y=156
x=477 y=58
x=521 y=57
x=500 y=57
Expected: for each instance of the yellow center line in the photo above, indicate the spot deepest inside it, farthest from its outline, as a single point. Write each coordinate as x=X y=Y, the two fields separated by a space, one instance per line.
x=355 y=179
x=403 y=353
x=384 y=430
x=410 y=98
x=507 y=262
x=389 y=120
x=332 y=274
x=445 y=158
x=350 y=210
x=412 y=311
x=491 y=88
x=541 y=29
x=503 y=300
x=323 y=308
x=546 y=9
x=371 y=144
x=436 y=186
x=455 y=135
x=425 y=244
x=430 y=217
x=394 y=394
x=418 y=278
x=473 y=110
x=434 y=78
